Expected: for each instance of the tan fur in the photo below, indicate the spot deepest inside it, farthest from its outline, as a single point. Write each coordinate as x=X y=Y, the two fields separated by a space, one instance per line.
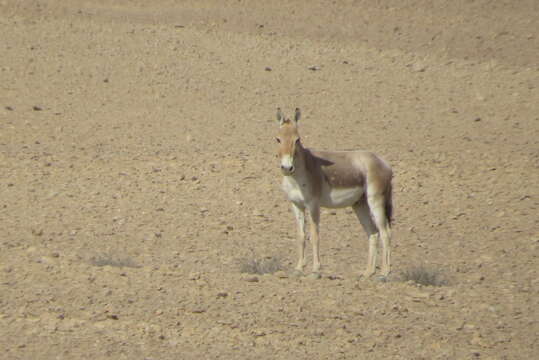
x=359 y=179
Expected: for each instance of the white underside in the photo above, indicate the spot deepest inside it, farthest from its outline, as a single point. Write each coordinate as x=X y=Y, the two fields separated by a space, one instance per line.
x=330 y=198
x=341 y=197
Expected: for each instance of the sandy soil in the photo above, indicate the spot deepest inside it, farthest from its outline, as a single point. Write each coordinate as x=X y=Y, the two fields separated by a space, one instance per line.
x=138 y=171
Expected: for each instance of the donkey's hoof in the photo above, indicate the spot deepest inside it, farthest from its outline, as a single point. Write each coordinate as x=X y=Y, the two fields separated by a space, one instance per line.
x=296 y=273
x=315 y=276
x=382 y=278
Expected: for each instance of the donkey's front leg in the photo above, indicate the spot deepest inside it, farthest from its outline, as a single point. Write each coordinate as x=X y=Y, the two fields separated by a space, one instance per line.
x=299 y=213
x=314 y=212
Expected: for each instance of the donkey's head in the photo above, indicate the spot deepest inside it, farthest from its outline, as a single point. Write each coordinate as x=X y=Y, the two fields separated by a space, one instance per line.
x=289 y=141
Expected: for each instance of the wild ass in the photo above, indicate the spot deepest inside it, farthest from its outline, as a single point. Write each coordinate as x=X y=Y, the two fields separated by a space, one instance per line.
x=335 y=179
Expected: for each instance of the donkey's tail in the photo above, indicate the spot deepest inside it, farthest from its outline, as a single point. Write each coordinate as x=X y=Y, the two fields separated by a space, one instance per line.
x=389 y=203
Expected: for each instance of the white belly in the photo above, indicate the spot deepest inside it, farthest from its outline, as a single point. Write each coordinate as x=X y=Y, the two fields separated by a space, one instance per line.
x=340 y=197
x=299 y=192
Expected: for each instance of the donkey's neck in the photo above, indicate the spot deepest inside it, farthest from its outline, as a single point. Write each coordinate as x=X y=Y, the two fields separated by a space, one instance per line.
x=304 y=157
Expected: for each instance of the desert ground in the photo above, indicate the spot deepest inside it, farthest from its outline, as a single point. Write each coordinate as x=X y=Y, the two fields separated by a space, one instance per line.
x=139 y=177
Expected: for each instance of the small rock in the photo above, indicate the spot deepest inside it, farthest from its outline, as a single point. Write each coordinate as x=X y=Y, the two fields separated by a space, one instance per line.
x=418 y=67
x=267 y=68
x=9 y=108
x=37 y=232
x=222 y=294
x=194 y=276
x=314 y=68
x=281 y=274
x=334 y=277
x=252 y=279
x=477 y=119
x=37 y=108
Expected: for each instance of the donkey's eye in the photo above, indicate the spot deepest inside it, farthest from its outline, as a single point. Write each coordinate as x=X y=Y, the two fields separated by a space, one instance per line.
x=278 y=140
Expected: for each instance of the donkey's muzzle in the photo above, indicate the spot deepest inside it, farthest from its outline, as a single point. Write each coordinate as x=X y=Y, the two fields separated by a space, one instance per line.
x=288 y=170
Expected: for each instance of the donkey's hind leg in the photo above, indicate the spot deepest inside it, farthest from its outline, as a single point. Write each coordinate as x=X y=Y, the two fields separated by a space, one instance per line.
x=377 y=207
x=363 y=214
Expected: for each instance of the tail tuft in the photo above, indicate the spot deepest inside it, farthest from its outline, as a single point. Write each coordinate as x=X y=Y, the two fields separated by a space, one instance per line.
x=389 y=203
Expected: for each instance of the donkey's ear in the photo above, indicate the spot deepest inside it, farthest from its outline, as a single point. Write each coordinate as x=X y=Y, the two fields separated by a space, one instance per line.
x=298 y=115
x=280 y=116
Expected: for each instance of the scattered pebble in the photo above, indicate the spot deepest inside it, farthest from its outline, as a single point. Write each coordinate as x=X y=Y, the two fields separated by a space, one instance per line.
x=418 y=67
x=194 y=276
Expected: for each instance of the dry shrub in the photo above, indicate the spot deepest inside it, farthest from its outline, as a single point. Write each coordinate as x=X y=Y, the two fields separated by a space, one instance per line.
x=110 y=260
x=268 y=265
x=424 y=275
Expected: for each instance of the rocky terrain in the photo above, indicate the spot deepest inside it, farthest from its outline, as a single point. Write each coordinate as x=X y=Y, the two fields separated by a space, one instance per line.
x=139 y=178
